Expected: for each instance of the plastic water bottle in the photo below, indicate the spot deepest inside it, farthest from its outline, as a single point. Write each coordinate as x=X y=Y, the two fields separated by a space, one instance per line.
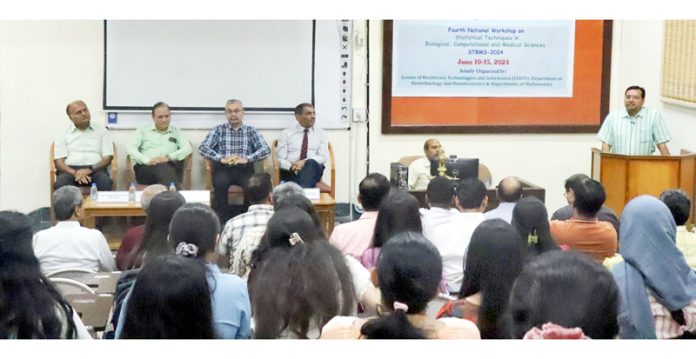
x=131 y=193
x=93 y=192
x=172 y=187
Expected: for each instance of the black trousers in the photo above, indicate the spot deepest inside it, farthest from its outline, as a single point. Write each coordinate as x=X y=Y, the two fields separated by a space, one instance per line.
x=307 y=178
x=223 y=177
x=162 y=173
x=101 y=178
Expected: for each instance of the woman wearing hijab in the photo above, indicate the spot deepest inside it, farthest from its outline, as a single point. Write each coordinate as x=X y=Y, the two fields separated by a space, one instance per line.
x=657 y=287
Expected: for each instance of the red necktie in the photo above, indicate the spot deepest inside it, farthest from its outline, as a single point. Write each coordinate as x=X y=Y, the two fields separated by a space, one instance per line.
x=303 y=150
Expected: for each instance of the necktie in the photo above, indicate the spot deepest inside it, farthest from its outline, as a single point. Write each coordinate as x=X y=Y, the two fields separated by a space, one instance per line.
x=303 y=150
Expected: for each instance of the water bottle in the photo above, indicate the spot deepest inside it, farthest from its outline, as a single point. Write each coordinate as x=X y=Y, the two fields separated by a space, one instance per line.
x=131 y=193
x=172 y=187
x=93 y=192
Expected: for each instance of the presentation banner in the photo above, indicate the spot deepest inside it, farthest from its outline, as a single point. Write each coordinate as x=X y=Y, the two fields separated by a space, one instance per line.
x=511 y=58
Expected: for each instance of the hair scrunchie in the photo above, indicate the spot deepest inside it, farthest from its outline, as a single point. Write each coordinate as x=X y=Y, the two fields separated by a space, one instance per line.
x=186 y=250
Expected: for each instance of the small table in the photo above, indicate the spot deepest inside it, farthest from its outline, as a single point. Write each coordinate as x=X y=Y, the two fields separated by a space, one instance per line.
x=325 y=209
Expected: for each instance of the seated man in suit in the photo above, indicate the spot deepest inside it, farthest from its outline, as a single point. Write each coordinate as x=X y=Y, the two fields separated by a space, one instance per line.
x=68 y=245
x=233 y=147
x=303 y=149
x=419 y=170
x=84 y=152
x=159 y=150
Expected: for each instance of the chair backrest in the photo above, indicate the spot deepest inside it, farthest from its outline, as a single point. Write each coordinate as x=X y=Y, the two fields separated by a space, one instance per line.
x=69 y=286
x=186 y=180
x=407 y=160
x=63 y=273
x=94 y=309
x=276 y=167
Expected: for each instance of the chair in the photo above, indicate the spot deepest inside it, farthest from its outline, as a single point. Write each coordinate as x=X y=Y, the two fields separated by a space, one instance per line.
x=67 y=272
x=94 y=310
x=235 y=194
x=484 y=174
x=186 y=180
x=323 y=187
x=70 y=286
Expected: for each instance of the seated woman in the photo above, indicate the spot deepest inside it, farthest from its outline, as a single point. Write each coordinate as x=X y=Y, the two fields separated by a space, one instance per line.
x=564 y=295
x=409 y=270
x=398 y=213
x=531 y=221
x=30 y=306
x=494 y=260
x=193 y=231
x=297 y=263
x=658 y=288
x=170 y=300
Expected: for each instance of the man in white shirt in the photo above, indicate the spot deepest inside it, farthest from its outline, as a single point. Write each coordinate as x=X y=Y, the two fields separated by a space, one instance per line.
x=452 y=238
x=440 y=199
x=303 y=149
x=419 y=170
x=67 y=245
x=509 y=192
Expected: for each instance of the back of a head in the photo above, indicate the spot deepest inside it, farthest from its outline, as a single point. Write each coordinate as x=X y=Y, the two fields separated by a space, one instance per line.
x=149 y=193
x=170 y=300
x=678 y=203
x=531 y=221
x=566 y=288
x=197 y=224
x=409 y=271
x=471 y=192
x=573 y=180
x=154 y=241
x=315 y=285
x=374 y=188
x=398 y=213
x=589 y=196
x=29 y=304
x=258 y=188
x=284 y=190
x=298 y=201
x=287 y=221
x=509 y=189
x=494 y=259
x=64 y=200
x=440 y=192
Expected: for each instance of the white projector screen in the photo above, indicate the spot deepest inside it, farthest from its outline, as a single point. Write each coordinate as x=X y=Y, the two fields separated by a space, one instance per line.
x=195 y=66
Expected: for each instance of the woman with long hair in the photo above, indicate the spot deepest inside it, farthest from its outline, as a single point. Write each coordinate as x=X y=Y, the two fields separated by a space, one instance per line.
x=30 y=306
x=531 y=221
x=409 y=270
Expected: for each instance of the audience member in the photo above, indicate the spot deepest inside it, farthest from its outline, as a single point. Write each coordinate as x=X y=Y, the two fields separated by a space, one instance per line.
x=134 y=235
x=408 y=272
x=564 y=295
x=258 y=193
x=303 y=149
x=353 y=238
x=509 y=191
x=67 y=245
x=83 y=152
x=657 y=287
x=397 y=213
x=494 y=259
x=440 y=199
x=30 y=306
x=193 y=232
x=584 y=232
x=605 y=213
x=295 y=262
x=232 y=147
x=531 y=222
x=419 y=170
x=680 y=206
x=159 y=150
x=170 y=300
x=452 y=238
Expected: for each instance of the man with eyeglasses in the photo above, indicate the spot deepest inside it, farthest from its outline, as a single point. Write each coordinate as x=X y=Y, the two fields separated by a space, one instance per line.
x=233 y=147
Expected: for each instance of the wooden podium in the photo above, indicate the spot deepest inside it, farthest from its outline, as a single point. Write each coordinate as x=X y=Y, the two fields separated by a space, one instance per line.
x=626 y=177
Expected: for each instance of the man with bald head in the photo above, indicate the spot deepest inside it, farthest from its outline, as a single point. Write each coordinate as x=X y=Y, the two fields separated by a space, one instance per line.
x=509 y=192
x=83 y=153
x=419 y=170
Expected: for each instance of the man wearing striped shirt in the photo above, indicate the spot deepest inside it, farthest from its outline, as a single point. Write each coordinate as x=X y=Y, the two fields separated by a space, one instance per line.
x=233 y=148
x=635 y=130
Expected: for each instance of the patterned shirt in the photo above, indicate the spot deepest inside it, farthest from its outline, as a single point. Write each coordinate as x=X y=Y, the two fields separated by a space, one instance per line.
x=634 y=135
x=240 y=263
x=665 y=326
x=257 y=216
x=224 y=141
x=84 y=148
x=150 y=142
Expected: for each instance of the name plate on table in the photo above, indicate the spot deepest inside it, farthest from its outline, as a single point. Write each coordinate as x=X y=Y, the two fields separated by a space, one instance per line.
x=196 y=196
x=117 y=196
x=312 y=194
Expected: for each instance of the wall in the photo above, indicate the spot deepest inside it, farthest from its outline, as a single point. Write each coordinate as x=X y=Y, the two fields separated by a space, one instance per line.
x=44 y=65
x=544 y=159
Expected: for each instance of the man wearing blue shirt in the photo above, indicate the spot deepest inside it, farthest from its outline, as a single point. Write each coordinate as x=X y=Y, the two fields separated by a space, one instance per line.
x=233 y=148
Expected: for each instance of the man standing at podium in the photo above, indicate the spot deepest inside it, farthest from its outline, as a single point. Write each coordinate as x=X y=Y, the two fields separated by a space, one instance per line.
x=636 y=130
